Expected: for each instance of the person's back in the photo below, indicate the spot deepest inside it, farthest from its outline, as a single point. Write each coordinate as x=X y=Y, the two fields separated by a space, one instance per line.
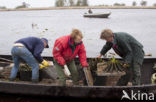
x=132 y=41
x=30 y=43
x=127 y=42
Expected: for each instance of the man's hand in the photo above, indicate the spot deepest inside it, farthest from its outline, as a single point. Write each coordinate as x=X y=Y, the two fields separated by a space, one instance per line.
x=45 y=63
x=41 y=66
x=125 y=65
x=99 y=56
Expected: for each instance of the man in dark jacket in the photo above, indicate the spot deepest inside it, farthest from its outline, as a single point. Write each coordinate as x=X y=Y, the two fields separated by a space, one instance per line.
x=129 y=49
x=29 y=49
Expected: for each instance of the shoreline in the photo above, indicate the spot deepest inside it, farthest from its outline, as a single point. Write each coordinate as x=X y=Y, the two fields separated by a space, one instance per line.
x=83 y=7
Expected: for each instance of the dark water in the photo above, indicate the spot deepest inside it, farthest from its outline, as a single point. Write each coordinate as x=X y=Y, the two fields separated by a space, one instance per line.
x=140 y=23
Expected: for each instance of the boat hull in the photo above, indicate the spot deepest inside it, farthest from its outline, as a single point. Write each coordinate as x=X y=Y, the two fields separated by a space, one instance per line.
x=81 y=92
x=60 y=93
x=105 y=15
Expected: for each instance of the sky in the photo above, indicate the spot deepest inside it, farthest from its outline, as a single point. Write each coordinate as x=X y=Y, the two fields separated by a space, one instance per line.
x=50 y=3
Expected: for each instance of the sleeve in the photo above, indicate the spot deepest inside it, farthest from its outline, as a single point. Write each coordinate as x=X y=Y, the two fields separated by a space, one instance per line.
x=37 y=52
x=82 y=56
x=128 y=50
x=58 y=48
x=106 y=47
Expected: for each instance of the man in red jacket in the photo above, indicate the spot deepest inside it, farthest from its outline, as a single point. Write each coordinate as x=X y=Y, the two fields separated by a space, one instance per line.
x=66 y=48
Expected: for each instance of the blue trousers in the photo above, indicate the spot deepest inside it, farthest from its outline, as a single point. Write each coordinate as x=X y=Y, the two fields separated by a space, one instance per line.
x=26 y=55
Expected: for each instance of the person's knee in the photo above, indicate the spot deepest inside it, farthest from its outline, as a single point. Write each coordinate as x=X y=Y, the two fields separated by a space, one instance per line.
x=34 y=65
x=138 y=74
x=16 y=66
x=14 y=51
x=137 y=71
x=75 y=73
x=62 y=80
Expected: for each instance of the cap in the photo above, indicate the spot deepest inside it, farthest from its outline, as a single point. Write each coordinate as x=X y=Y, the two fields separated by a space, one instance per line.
x=46 y=40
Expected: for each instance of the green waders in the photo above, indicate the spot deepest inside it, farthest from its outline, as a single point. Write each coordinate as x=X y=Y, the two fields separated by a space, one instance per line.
x=133 y=74
x=73 y=70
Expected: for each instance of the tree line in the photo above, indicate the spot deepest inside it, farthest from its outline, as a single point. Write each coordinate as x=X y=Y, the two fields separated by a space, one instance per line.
x=62 y=3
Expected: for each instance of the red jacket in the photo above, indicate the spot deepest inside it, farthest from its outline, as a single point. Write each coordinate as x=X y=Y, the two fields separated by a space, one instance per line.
x=62 y=51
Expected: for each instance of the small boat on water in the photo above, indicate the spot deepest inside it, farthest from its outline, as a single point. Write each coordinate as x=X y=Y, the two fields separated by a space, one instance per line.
x=97 y=15
x=40 y=91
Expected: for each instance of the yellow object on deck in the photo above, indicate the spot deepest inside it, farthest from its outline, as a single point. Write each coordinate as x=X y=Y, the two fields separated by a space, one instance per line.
x=45 y=63
x=42 y=66
x=153 y=79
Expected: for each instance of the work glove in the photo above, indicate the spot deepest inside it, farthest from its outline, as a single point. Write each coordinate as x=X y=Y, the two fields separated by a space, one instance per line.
x=41 y=66
x=66 y=71
x=45 y=63
x=84 y=69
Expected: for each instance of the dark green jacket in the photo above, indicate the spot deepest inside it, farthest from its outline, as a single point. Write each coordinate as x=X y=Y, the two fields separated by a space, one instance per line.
x=126 y=47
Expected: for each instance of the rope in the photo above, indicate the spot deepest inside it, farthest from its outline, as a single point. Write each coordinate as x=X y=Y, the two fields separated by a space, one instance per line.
x=6 y=59
x=5 y=62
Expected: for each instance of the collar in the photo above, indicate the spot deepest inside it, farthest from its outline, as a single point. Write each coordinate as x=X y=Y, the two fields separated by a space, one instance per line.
x=73 y=45
x=114 y=40
x=71 y=42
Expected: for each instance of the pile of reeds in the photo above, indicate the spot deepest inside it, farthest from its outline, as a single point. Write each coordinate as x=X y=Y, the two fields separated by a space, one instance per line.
x=114 y=66
x=110 y=67
x=25 y=67
x=112 y=70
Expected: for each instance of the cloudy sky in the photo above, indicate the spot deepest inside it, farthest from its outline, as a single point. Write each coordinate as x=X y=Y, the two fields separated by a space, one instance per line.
x=49 y=3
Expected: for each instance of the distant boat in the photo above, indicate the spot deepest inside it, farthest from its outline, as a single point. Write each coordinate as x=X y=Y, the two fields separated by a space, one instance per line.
x=97 y=15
